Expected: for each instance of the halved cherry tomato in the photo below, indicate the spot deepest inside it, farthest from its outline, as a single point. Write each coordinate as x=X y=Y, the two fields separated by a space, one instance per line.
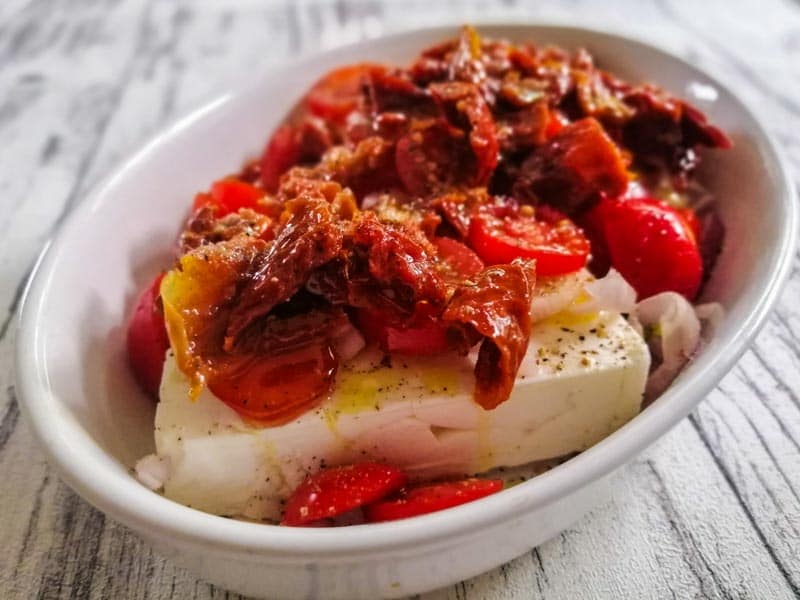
x=430 y=498
x=336 y=95
x=281 y=153
x=424 y=336
x=275 y=389
x=147 y=341
x=460 y=258
x=429 y=337
x=228 y=196
x=338 y=490
x=636 y=190
x=558 y=246
x=651 y=244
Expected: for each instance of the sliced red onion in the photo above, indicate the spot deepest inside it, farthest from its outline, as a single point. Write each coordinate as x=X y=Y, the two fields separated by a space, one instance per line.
x=710 y=315
x=153 y=471
x=347 y=342
x=555 y=294
x=610 y=293
x=674 y=339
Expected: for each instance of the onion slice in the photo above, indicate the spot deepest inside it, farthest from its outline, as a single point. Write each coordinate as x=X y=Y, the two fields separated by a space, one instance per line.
x=611 y=293
x=347 y=342
x=557 y=293
x=153 y=471
x=672 y=330
x=710 y=315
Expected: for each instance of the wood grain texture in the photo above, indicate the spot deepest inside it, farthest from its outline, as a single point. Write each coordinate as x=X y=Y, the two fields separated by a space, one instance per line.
x=711 y=511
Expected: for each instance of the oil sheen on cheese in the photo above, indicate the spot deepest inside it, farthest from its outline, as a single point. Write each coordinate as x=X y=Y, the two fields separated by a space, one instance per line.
x=582 y=378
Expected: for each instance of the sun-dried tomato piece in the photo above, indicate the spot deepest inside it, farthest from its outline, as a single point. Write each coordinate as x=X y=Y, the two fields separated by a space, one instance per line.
x=427 y=158
x=466 y=107
x=312 y=236
x=575 y=166
x=497 y=307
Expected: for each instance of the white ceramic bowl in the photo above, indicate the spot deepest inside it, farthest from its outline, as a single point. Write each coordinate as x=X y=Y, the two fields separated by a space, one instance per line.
x=92 y=422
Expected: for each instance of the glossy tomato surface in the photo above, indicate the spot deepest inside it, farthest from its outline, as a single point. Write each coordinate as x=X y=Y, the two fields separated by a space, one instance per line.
x=147 y=341
x=558 y=246
x=430 y=498
x=338 y=490
x=651 y=244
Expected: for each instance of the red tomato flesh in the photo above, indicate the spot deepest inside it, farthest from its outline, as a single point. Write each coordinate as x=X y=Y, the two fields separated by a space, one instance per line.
x=274 y=389
x=692 y=221
x=555 y=123
x=458 y=257
x=430 y=498
x=281 y=153
x=228 y=196
x=425 y=336
x=147 y=341
x=338 y=490
x=558 y=247
x=651 y=244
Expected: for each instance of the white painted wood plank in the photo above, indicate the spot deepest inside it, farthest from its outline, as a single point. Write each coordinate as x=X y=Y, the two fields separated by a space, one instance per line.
x=673 y=529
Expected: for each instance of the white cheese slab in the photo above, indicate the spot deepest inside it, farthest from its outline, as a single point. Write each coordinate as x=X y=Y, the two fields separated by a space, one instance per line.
x=582 y=378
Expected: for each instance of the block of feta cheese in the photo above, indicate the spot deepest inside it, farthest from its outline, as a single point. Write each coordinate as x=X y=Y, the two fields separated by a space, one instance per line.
x=582 y=378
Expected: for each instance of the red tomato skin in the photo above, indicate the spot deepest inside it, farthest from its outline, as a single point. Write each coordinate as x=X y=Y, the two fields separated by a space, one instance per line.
x=555 y=123
x=483 y=140
x=274 y=390
x=423 y=338
x=281 y=153
x=228 y=196
x=501 y=240
x=147 y=341
x=338 y=490
x=651 y=244
x=458 y=256
x=202 y=200
x=232 y=195
x=690 y=218
x=430 y=498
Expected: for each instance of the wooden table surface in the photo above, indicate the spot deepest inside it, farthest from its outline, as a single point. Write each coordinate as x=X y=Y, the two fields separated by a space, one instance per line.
x=712 y=510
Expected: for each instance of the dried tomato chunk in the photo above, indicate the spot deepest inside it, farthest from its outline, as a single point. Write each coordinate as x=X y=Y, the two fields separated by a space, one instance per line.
x=496 y=306
x=466 y=106
x=574 y=167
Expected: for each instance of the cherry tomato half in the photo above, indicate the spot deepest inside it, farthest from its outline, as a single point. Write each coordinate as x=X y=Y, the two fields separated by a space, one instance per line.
x=430 y=498
x=336 y=95
x=558 y=246
x=274 y=389
x=651 y=244
x=458 y=257
x=147 y=341
x=281 y=153
x=228 y=196
x=425 y=336
x=338 y=490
